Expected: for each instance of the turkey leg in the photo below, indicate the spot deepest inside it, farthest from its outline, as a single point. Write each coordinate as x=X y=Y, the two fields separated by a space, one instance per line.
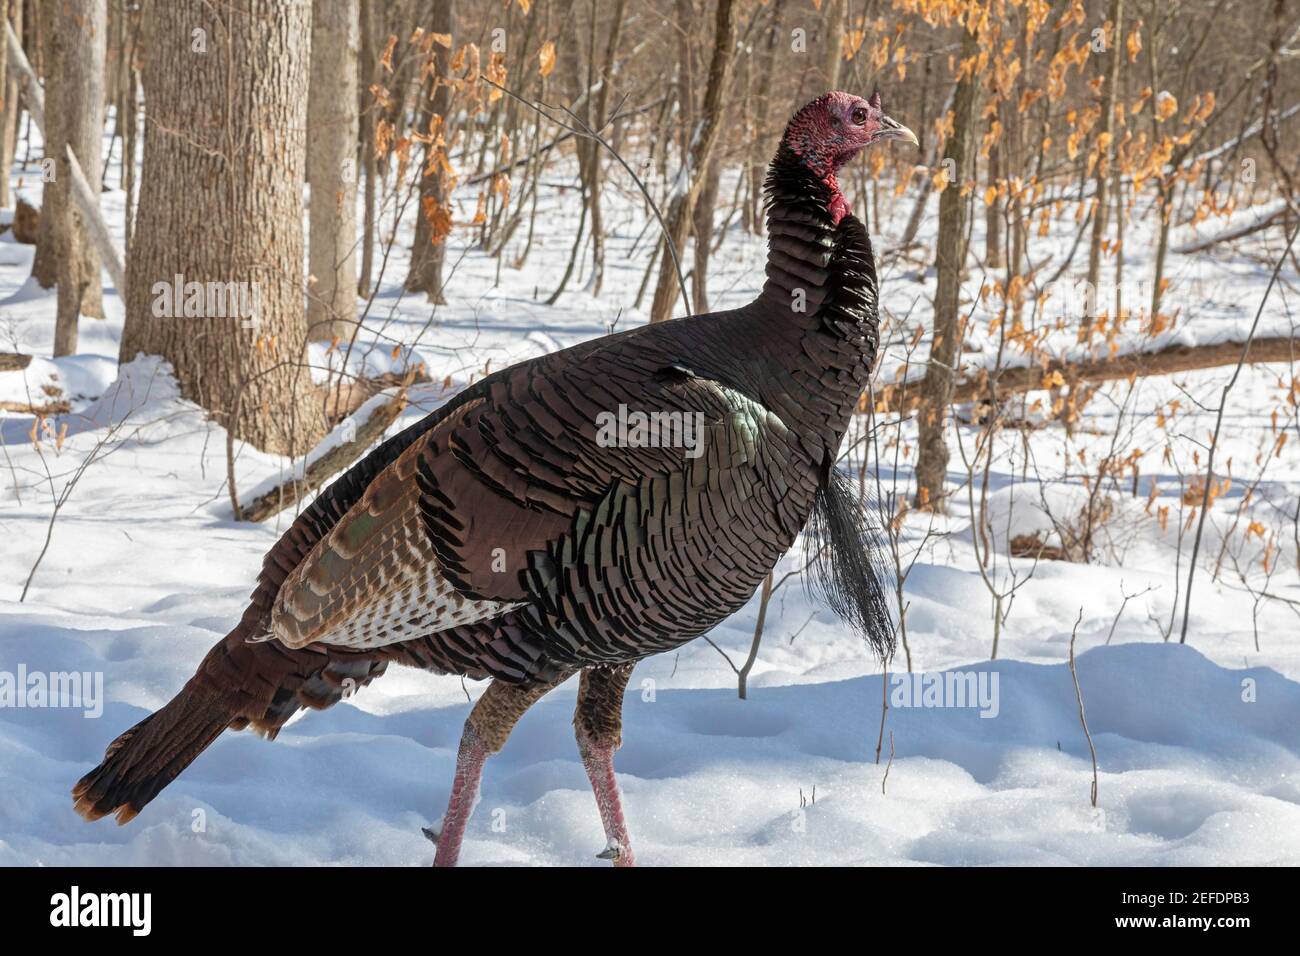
x=598 y=726
x=486 y=730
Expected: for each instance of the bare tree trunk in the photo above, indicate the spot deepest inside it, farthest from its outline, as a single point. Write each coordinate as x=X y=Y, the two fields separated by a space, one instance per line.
x=702 y=227
x=927 y=184
x=704 y=139
x=232 y=252
x=366 y=120
x=396 y=19
x=595 y=154
x=1115 y=56
x=435 y=101
x=130 y=121
x=331 y=169
x=46 y=258
x=950 y=255
x=834 y=27
x=580 y=79
x=77 y=54
x=8 y=105
x=993 y=218
x=761 y=145
x=13 y=106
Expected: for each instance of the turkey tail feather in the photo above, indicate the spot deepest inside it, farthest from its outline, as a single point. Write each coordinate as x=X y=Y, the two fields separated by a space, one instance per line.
x=139 y=763
x=847 y=569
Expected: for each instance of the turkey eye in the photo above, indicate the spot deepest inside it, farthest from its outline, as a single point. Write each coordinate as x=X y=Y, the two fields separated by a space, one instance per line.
x=859 y=116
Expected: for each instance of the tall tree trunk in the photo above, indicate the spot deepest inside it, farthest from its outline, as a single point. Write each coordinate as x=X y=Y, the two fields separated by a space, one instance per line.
x=366 y=153
x=834 y=50
x=397 y=18
x=435 y=100
x=927 y=182
x=1114 y=57
x=1165 y=188
x=331 y=169
x=599 y=105
x=760 y=145
x=702 y=227
x=580 y=79
x=993 y=217
x=240 y=133
x=45 y=260
x=77 y=55
x=703 y=139
x=130 y=121
x=13 y=104
x=950 y=255
x=8 y=104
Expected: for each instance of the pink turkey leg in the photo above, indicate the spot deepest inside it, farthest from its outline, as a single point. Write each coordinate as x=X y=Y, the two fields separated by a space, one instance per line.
x=464 y=790
x=598 y=758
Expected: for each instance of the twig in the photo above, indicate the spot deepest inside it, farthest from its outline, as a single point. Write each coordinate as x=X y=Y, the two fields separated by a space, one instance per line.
x=584 y=130
x=1218 y=424
x=884 y=711
x=1078 y=694
x=61 y=498
x=1124 y=604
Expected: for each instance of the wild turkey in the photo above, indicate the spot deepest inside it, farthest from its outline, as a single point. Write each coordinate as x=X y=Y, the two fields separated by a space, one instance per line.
x=505 y=537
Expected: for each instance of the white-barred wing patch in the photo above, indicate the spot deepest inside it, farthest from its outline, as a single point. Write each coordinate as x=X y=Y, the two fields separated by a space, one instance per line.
x=374 y=579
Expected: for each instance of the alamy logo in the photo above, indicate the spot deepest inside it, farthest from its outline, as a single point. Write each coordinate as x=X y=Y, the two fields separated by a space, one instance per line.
x=635 y=429
x=179 y=299
x=961 y=689
x=77 y=689
x=75 y=908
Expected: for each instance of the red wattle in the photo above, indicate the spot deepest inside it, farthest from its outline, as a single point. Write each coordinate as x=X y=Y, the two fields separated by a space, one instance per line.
x=838 y=206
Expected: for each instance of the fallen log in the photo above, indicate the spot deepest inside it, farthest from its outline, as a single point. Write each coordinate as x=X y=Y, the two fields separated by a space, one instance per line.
x=95 y=226
x=324 y=466
x=29 y=85
x=14 y=361
x=1281 y=216
x=341 y=400
x=906 y=397
x=46 y=398
x=344 y=398
x=59 y=406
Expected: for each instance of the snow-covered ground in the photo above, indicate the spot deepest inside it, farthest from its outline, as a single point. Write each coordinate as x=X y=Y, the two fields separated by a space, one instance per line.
x=1198 y=745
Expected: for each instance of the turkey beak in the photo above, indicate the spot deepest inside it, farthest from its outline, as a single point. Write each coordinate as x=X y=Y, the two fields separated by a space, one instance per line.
x=892 y=129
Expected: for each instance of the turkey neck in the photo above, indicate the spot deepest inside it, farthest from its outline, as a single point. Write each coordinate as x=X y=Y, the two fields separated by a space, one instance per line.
x=811 y=335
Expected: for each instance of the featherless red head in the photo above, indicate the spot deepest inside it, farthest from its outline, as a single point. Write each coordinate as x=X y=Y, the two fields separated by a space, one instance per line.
x=834 y=128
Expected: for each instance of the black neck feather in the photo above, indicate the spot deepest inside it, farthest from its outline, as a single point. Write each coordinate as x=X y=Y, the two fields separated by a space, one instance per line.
x=833 y=264
x=817 y=267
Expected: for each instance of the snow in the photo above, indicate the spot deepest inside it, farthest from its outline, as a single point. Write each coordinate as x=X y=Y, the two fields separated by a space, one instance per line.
x=1189 y=775
x=1198 y=745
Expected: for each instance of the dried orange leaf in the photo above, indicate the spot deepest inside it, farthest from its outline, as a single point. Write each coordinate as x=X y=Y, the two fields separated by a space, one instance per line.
x=546 y=58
